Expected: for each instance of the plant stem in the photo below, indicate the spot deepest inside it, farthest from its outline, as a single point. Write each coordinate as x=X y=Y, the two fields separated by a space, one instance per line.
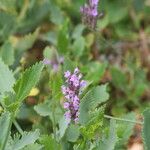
x=121 y=119
x=18 y=127
x=8 y=131
x=54 y=125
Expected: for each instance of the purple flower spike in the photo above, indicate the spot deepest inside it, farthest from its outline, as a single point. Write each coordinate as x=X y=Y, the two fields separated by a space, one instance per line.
x=72 y=92
x=90 y=13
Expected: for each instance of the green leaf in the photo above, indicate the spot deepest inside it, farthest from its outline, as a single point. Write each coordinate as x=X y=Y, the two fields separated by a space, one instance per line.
x=55 y=85
x=7 y=53
x=43 y=109
x=118 y=78
x=27 y=41
x=78 y=46
x=108 y=143
x=115 y=8
x=95 y=124
x=72 y=133
x=7 y=5
x=102 y=23
x=63 y=39
x=56 y=15
x=7 y=79
x=50 y=53
x=26 y=139
x=91 y=100
x=33 y=147
x=68 y=64
x=62 y=127
x=125 y=130
x=27 y=81
x=78 y=31
x=5 y=127
x=49 y=143
x=7 y=24
x=146 y=129
x=95 y=71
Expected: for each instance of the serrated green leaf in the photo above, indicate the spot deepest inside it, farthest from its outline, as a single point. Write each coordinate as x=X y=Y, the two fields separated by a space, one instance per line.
x=91 y=100
x=43 y=109
x=7 y=79
x=33 y=147
x=72 y=133
x=27 y=81
x=27 y=41
x=95 y=123
x=26 y=139
x=110 y=142
x=146 y=129
x=49 y=143
x=5 y=126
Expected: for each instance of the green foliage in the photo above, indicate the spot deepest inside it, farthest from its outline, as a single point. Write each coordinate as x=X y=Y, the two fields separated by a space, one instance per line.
x=118 y=78
x=116 y=52
x=33 y=147
x=49 y=143
x=43 y=109
x=91 y=100
x=26 y=139
x=79 y=46
x=27 y=81
x=124 y=130
x=63 y=38
x=72 y=133
x=7 y=79
x=78 y=31
x=62 y=126
x=96 y=72
x=55 y=85
x=146 y=129
x=56 y=15
x=108 y=142
x=7 y=53
x=26 y=42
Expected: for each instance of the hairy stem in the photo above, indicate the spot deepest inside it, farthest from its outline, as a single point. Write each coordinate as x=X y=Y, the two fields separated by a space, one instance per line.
x=121 y=119
x=18 y=127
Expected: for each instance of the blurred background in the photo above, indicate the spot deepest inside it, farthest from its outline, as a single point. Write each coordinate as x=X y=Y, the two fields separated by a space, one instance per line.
x=119 y=52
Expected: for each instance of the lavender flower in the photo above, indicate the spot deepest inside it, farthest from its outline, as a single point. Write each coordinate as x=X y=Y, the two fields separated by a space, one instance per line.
x=72 y=92
x=54 y=63
x=90 y=13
